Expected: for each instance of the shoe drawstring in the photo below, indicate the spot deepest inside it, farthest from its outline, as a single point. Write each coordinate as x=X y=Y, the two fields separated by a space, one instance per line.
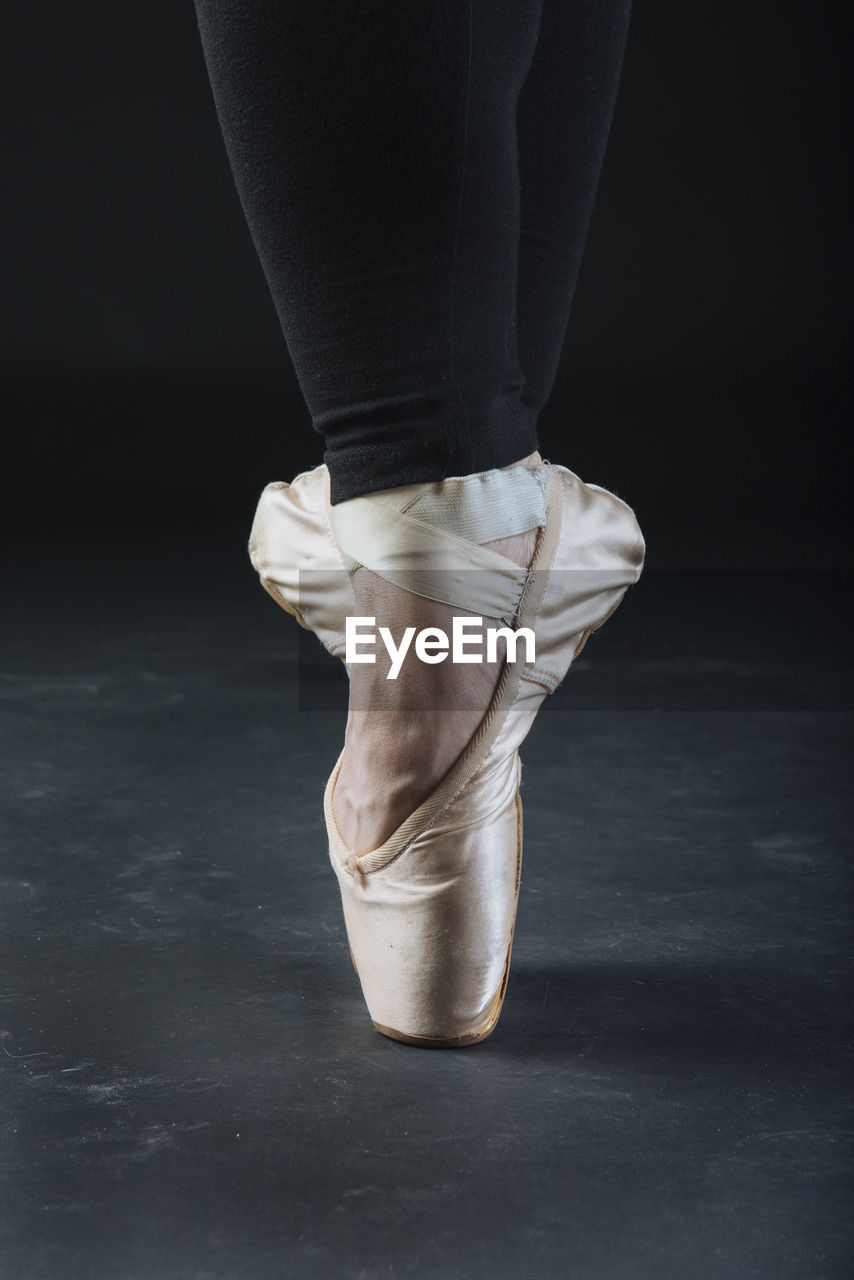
x=353 y=867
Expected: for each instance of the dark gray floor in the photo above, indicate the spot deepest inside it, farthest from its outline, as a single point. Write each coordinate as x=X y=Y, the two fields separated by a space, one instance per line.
x=191 y=1087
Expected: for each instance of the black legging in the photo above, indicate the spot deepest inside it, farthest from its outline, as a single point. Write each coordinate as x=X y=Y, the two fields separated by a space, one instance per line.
x=418 y=176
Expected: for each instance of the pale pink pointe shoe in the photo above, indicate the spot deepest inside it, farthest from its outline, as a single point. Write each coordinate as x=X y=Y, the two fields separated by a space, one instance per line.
x=430 y=913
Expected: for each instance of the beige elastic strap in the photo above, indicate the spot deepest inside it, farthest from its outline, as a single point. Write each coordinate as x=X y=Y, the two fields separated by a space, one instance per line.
x=424 y=537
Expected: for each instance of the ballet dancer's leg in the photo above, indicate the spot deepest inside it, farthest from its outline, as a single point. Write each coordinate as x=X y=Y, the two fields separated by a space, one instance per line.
x=382 y=153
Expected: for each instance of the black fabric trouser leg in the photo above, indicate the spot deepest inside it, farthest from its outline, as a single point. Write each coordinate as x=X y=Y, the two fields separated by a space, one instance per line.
x=418 y=179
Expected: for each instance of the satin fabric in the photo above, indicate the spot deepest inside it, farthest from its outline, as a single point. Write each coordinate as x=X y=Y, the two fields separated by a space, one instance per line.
x=430 y=914
x=426 y=537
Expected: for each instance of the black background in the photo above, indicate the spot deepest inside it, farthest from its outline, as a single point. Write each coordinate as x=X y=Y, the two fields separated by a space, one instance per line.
x=147 y=384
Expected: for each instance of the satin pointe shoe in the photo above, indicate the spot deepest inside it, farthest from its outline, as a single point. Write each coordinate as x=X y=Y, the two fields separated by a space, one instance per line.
x=430 y=913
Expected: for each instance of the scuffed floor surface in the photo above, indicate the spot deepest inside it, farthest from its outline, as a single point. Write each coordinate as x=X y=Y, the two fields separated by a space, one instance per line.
x=191 y=1087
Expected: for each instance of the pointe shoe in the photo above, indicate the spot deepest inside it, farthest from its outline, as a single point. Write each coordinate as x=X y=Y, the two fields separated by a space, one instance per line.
x=430 y=913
